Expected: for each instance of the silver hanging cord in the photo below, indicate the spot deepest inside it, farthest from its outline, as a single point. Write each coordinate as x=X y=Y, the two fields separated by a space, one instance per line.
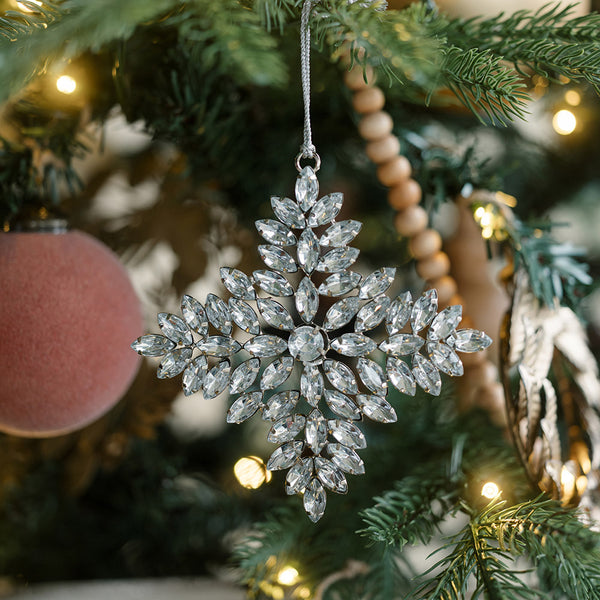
x=307 y=149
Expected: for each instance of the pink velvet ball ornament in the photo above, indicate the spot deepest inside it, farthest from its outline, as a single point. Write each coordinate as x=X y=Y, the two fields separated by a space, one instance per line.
x=68 y=313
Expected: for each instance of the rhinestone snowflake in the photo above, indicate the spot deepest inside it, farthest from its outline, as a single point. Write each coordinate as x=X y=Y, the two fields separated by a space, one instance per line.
x=338 y=384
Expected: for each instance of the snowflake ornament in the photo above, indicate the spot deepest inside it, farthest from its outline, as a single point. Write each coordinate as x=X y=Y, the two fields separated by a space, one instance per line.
x=314 y=420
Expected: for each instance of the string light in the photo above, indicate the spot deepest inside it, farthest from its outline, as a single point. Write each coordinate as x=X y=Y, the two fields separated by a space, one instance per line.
x=28 y=9
x=287 y=576
x=251 y=472
x=302 y=592
x=564 y=122
x=572 y=97
x=491 y=220
x=490 y=490
x=66 y=84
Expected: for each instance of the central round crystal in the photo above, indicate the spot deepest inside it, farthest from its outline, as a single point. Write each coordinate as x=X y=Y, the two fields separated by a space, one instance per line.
x=306 y=344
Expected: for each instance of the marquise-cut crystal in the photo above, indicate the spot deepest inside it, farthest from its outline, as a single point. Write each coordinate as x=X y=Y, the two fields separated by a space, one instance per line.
x=353 y=344
x=445 y=359
x=314 y=500
x=244 y=407
x=308 y=251
x=341 y=405
x=346 y=459
x=175 y=328
x=401 y=344
x=280 y=405
x=307 y=300
x=273 y=283
x=372 y=375
x=265 y=346
x=298 y=476
x=238 y=283
x=339 y=284
x=174 y=362
x=469 y=340
x=276 y=373
x=218 y=345
x=278 y=259
x=216 y=380
x=194 y=314
x=275 y=314
x=341 y=313
x=244 y=376
x=337 y=260
x=193 y=376
x=376 y=408
x=285 y=456
x=424 y=310
x=400 y=375
x=153 y=345
x=286 y=429
x=243 y=316
x=275 y=232
x=307 y=188
x=330 y=476
x=326 y=209
x=372 y=313
x=316 y=431
x=398 y=313
x=340 y=376
x=218 y=314
x=426 y=375
x=445 y=323
x=340 y=234
x=306 y=344
x=312 y=385
x=377 y=283
x=347 y=433
x=288 y=212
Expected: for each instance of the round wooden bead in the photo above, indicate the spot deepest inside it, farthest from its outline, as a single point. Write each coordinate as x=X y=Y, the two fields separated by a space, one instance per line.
x=411 y=221
x=380 y=151
x=425 y=244
x=433 y=267
x=405 y=194
x=368 y=100
x=394 y=171
x=355 y=78
x=446 y=288
x=375 y=126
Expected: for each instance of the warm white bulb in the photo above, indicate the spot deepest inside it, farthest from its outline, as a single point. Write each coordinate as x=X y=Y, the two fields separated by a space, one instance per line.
x=572 y=97
x=287 y=576
x=564 y=122
x=251 y=472
x=66 y=84
x=490 y=490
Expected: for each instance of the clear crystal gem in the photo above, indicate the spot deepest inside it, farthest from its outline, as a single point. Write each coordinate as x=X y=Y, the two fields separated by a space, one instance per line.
x=469 y=340
x=280 y=405
x=347 y=433
x=445 y=359
x=339 y=284
x=288 y=212
x=218 y=314
x=372 y=375
x=153 y=345
x=400 y=375
x=330 y=476
x=265 y=346
x=307 y=300
x=298 y=476
x=326 y=209
x=275 y=232
x=314 y=500
x=273 y=283
x=398 y=313
x=346 y=459
x=445 y=323
x=285 y=456
x=353 y=344
x=193 y=376
x=216 y=380
x=340 y=234
x=316 y=431
x=238 y=283
x=337 y=260
x=244 y=376
x=372 y=313
x=174 y=362
x=307 y=188
x=277 y=259
x=341 y=405
x=286 y=429
x=306 y=343
x=243 y=316
x=175 y=328
x=426 y=375
x=308 y=251
x=244 y=407
x=377 y=408
x=194 y=314
x=276 y=373
x=424 y=310
x=341 y=313
x=311 y=385
x=275 y=314
x=218 y=345
x=377 y=283
x=340 y=376
x=401 y=344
